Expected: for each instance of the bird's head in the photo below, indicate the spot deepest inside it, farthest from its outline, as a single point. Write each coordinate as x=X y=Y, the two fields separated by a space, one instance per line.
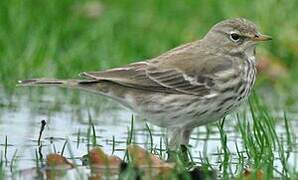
x=235 y=36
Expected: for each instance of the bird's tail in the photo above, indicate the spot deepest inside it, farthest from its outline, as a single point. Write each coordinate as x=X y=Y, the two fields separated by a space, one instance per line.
x=72 y=83
x=97 y=86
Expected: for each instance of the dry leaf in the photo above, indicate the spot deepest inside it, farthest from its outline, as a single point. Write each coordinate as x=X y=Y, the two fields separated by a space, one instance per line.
x=99 y=158
x=141 y=157
x=57 y=166
x=251 y=175
x=151 y=164
x=102 y=164
x=55 y=160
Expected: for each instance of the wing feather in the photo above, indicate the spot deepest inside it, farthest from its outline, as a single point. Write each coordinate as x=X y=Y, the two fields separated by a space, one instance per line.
x=175 y=79
x=186 y=70
x=133 y=75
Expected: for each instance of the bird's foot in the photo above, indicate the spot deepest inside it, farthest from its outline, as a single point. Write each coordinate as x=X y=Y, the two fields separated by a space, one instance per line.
x=182 y=155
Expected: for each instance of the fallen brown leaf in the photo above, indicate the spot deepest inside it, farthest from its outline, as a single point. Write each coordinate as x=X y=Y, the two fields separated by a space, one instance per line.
x=54 y=160
x=151 y=164
x=249 y=174
x=99 y=158
x=57 y=166
x=102 y=164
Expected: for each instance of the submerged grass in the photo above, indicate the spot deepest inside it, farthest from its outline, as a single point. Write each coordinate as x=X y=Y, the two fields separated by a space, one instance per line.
x=226 y=153
x=131 y=131
x=63 y=147
x=5 y=148
x=13 y=163
x=91 y=133
x=78 y=138
x=150 y=136
x=2 y=171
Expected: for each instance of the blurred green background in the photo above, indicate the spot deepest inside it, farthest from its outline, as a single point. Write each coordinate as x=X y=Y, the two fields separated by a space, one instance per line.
x=60 y=38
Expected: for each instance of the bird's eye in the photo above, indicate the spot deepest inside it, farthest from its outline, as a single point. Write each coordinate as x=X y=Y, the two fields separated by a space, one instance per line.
x=235 y=37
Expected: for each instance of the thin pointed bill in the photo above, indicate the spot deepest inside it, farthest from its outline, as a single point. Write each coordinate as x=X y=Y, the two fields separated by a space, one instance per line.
x=261 y=37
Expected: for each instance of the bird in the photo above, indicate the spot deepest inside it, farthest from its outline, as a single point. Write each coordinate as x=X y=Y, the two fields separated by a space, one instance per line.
x=194 y=84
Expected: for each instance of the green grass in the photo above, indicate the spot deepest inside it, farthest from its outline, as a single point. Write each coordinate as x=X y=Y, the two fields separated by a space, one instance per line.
x=261 y=140
x=58 y=39
x=5 y=147
x=2 y=171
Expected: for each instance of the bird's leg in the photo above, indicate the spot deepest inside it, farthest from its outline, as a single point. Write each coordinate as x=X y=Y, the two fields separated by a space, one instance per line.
x=184 y=145
x=179 y=139
x=172 y=141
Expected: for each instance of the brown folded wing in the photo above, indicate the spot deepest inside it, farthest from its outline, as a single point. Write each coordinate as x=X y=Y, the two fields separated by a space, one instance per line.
x=166 y=73
x=147 y=77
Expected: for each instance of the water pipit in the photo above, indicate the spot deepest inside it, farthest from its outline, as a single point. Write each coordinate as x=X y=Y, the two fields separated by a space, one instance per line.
x=191 y=85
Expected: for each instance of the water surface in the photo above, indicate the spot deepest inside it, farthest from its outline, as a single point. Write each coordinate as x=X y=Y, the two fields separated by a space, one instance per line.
x=68 y=115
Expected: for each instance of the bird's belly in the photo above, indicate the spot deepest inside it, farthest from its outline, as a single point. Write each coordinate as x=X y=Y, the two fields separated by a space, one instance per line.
x=175 y=110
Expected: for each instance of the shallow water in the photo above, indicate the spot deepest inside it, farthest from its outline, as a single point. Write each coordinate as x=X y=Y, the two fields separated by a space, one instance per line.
x=68 y=113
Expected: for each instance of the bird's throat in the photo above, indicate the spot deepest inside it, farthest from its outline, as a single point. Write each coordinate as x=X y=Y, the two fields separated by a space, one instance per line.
x=250 y=52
